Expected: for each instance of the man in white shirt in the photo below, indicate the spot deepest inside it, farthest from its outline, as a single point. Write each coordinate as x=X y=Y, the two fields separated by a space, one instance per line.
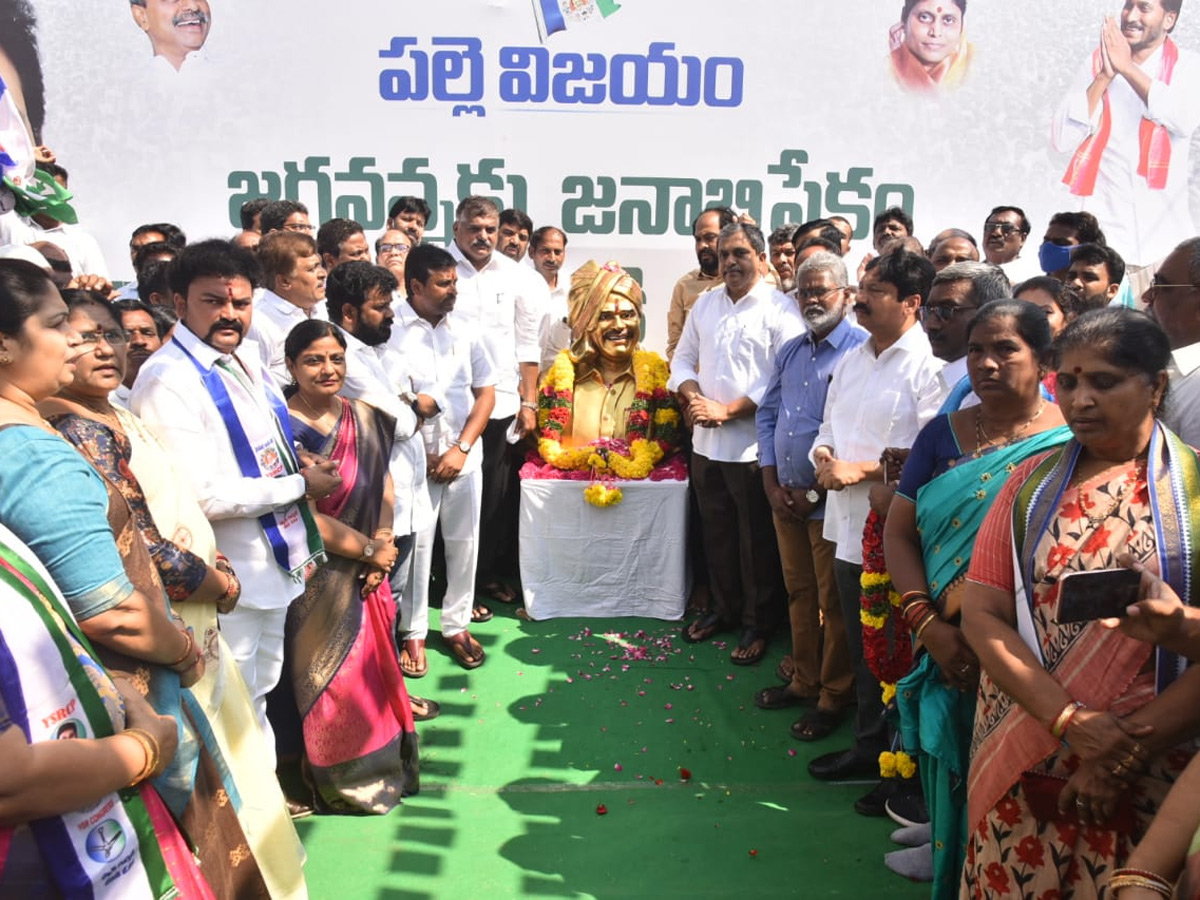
x=450 y=364
x=1128 y=118
x=177 y=30
x=208 y=399
x=506 y=302
x=1174 y=302
x=722 y=365
x=295 y=290
x=340 y=241
x=881 y=394
x=359 y=301
x=548 y=250
x=958 y=291
x=1005 y=231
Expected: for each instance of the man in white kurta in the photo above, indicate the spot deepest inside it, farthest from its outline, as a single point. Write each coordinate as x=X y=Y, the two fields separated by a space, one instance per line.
x=295 y=292
x=213 y=298
x=1137 y=80
x=721 y=368
x=449 y=362
x=882 y=393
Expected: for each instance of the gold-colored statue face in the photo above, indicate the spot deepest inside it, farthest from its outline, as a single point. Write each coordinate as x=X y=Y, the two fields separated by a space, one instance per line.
x=615 y=335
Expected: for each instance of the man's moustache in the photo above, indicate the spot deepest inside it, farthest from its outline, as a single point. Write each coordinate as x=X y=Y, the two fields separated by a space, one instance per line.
x=190 y=14
x=226 y=325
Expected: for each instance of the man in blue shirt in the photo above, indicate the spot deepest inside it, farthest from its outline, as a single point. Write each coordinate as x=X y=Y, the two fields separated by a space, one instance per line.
x=788 y=419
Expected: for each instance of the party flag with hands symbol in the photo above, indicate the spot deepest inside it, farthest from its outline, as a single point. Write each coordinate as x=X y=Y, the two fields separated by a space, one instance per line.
x=554 y=16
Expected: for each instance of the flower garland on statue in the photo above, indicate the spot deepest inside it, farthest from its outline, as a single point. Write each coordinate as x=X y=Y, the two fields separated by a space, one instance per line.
x=889 y=656
x=653 y=410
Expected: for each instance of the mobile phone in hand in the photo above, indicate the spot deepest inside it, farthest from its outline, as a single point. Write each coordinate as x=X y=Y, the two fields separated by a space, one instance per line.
x=1099 y=594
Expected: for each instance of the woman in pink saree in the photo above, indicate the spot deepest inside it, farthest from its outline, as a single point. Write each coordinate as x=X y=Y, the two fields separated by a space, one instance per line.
x=360 y=744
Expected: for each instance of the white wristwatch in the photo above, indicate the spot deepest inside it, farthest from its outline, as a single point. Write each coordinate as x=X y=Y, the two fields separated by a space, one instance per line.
x=464 y=446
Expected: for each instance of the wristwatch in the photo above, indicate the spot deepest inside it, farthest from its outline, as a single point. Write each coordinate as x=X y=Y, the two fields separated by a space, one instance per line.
x=812 y=496
x=464 y=446
x=369 y=550
x=410 y=398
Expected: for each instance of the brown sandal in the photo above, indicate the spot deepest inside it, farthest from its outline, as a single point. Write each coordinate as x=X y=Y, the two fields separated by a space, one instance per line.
x=414 y=649
x=467 y=651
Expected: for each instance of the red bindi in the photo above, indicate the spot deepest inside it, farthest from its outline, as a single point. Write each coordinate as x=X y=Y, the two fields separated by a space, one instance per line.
x=1078 y=370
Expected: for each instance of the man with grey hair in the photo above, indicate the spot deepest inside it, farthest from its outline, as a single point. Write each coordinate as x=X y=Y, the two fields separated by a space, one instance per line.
x=721 y=367
x=788 y=419
x=958 y=291
x=1174 y=302
x=783 y=256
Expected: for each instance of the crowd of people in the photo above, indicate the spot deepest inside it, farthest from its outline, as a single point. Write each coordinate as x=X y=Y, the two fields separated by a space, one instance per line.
x=959 y=474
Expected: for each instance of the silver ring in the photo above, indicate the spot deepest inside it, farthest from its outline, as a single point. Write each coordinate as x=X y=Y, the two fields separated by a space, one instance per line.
x=1080 y=802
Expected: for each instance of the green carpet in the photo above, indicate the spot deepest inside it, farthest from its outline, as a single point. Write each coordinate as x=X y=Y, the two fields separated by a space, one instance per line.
x=561 y=722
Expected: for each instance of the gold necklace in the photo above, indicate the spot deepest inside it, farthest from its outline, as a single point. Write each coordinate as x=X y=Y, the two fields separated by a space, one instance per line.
x=983 y=441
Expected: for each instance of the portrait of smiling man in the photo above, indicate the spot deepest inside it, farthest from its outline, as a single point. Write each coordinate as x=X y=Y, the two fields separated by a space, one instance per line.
x=177 y=29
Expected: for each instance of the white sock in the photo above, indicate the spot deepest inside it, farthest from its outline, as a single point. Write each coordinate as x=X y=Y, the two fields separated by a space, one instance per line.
x=915 y=863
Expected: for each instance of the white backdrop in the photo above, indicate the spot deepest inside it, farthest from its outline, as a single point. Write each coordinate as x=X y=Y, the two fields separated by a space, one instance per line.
x=289 y=90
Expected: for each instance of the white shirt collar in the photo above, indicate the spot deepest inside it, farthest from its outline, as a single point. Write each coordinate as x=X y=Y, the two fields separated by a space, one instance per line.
x=1187 y=359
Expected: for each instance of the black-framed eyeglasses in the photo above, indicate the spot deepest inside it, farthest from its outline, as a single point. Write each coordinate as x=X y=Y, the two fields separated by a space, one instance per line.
x=815 y=293
x=1005 y=228
x=943 y=311
x=112 y=336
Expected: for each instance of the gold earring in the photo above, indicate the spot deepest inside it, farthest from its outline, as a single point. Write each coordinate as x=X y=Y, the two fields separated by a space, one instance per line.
x=5 y=360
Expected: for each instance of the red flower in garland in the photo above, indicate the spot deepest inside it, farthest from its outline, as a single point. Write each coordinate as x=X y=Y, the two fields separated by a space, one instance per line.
x=559 y=414
x=888 y=651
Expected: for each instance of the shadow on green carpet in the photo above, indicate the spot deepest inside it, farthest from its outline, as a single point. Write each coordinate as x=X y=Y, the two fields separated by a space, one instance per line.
x=606 y=759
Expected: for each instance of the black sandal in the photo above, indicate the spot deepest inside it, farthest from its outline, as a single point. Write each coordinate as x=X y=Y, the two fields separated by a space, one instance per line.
x=707 y=626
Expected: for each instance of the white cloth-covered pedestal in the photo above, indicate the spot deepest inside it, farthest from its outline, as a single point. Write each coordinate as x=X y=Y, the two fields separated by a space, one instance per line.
x=624 y=560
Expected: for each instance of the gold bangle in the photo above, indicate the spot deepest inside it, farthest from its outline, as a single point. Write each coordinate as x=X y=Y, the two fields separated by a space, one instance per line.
x=1058 y=727
x=925 y=624
x=1128 y=880
x=153 y=754
x=191 y=646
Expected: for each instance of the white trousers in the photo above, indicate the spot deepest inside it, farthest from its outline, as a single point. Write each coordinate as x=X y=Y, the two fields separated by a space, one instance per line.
x=255 y=638
x=456 y=506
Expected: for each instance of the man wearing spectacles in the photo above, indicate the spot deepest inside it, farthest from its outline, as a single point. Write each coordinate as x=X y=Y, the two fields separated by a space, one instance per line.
x=1004 y=234
x=285 y=215
x=958 y=291
x=1128 y=119
x=1174 y=302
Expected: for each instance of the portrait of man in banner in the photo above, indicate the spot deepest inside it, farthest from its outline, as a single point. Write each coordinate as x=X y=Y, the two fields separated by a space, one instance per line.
x=177 y=29
x=1127 y=121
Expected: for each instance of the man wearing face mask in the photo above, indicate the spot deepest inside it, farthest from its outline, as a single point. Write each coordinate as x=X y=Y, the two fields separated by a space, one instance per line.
x=1066 y=231
x=1128 y=121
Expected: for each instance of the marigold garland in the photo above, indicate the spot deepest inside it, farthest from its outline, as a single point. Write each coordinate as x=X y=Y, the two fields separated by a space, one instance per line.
x=651 y=427
x=889 y=656
x=898 y=763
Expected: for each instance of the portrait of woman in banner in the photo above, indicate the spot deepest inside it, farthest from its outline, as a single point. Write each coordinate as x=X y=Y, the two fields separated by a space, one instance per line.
x=929 y=47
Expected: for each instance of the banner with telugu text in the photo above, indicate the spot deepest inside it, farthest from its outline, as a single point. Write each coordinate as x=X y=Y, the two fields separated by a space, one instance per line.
x=620 y=126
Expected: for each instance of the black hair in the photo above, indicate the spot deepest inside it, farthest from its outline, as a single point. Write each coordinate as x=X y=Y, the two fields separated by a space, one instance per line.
x=1024 y=227
x=422 y=260
x=908 y=8
x=535 y=239
x=214 y=258
x=18 y=41
x=76 y=299
x=410 y=204
x=781 y=235
x=131 y=305
x=909 y=273
x=1032 y=324
x=353 y=282
x=1084 y=224
x=1069 y=300
x=23 y=287
x=334 y=233
x=752 y=232
x=147 y=252
x=249 y=210
x=823 y=243
x=1127 y=338
x=517 y=217
x=154 y=278
x=275 y=213
x=893 y=214
x=54 y=170
x=1097 y=254
x=824 y=229
x=725 y=217
x=950 y=234
x=172 y=234
x=476 y=207
x=307 y=333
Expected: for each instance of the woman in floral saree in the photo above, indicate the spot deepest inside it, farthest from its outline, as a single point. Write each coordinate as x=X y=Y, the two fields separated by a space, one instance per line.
x=954 y=471
x=1079 y=730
